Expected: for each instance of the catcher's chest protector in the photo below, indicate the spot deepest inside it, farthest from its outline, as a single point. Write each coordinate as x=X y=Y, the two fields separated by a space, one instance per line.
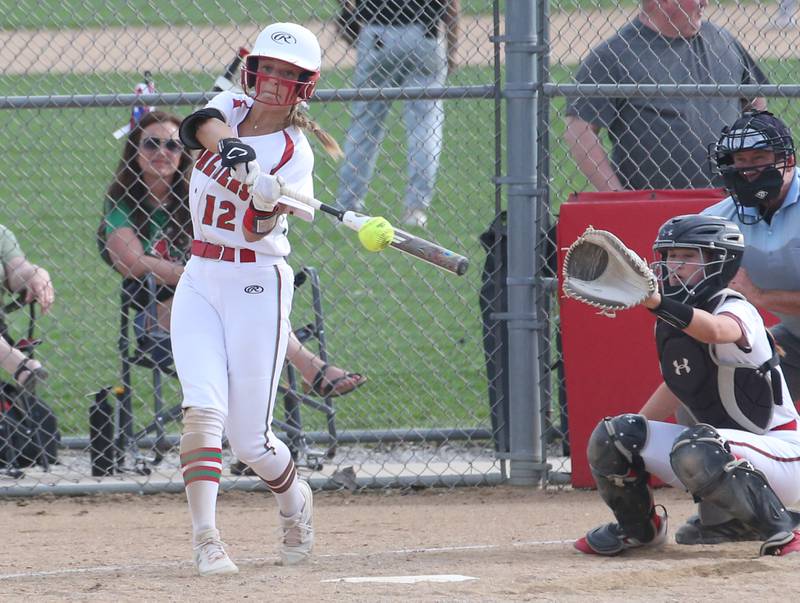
x=725 y=396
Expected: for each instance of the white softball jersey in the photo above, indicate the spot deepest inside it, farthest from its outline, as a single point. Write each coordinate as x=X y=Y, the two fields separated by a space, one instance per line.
x=218 y=202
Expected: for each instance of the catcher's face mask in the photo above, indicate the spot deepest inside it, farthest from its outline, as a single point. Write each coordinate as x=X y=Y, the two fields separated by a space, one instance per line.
x=754 y=157
x=689 y=275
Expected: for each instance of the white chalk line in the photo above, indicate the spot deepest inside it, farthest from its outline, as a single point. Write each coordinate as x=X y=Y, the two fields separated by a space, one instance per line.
x=105 y=569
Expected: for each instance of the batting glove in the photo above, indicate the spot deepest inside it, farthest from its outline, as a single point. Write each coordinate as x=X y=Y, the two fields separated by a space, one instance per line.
x=240 y=158
x=266 y=191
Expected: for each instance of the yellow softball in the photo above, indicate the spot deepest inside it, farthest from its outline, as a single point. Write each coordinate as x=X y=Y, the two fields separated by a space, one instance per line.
x=376 y=234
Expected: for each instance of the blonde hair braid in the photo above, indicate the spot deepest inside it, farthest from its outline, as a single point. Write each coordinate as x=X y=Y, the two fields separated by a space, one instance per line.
x=300 y=119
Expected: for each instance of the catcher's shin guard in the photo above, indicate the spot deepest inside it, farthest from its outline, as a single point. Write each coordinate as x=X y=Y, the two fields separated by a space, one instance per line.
x=703 y=462
x=614 y=457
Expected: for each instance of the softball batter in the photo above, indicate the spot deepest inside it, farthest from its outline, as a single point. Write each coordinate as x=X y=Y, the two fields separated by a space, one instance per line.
x=230 y=320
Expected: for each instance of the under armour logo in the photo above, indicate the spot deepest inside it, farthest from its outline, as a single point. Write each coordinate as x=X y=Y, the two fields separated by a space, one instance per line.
x=281 y=37
x=681 y=366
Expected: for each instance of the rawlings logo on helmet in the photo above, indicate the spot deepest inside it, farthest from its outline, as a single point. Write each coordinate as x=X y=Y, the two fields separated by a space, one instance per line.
x=281 y=37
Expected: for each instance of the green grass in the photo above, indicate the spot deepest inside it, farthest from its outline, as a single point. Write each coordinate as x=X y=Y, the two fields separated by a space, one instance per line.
x=414 y=330
x=59 y=14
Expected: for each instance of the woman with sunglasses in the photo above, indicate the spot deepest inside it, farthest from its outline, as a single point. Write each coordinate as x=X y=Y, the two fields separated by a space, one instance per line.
x=230 y=320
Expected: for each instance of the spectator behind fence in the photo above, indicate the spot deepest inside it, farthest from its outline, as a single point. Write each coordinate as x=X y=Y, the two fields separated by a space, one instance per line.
x=756 y=157
x=17 y=274
x=408 y=43
x=658 y=143
x=147 y=229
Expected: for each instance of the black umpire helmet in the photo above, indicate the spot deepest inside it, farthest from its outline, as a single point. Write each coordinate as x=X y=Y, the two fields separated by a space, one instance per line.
x=754 y=130
x=721 y=244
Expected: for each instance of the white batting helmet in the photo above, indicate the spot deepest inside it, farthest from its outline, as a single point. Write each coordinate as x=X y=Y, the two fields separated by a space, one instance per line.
x=290 y=43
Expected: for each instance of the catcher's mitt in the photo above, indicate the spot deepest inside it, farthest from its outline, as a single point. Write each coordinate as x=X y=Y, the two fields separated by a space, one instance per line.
x=601 y=271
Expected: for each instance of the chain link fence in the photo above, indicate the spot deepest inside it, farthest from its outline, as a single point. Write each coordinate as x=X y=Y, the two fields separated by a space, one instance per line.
x=423 y=416
x=426 y=414
x=635 y=96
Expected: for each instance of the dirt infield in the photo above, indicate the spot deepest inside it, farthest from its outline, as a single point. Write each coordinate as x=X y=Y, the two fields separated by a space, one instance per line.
x=514 y=542
x=173 y=49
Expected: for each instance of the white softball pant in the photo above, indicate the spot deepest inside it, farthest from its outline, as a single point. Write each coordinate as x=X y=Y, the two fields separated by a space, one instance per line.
x=776 y=454
x=230 y=327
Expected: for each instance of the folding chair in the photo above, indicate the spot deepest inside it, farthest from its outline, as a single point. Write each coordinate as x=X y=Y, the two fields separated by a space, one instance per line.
x=139 y=297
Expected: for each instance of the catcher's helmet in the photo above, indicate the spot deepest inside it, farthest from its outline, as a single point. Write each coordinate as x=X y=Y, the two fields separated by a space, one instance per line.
x=719 y=241
x=755 y=130
x=290 y=43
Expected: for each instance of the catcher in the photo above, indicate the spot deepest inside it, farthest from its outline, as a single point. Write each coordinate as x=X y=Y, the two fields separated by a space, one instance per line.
x=739 y=457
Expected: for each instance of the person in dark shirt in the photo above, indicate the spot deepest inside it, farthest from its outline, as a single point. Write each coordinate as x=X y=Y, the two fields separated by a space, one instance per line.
x=658 y=143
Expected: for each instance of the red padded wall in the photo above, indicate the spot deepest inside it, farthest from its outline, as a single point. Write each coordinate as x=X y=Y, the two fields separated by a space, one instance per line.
x=610 y=364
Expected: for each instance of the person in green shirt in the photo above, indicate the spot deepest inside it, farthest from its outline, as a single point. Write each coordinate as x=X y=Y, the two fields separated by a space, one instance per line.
x=18 y=275
x=147 y=229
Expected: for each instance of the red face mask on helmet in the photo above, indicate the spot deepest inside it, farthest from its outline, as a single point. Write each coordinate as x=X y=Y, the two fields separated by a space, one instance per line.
x=291 y=44
x=287 y=92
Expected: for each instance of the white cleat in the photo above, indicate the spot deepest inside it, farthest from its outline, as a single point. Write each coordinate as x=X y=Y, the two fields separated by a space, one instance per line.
x=210 y=556
x=297 y=531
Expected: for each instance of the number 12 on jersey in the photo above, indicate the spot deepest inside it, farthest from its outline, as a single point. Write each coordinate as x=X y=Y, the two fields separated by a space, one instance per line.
x=225 y=215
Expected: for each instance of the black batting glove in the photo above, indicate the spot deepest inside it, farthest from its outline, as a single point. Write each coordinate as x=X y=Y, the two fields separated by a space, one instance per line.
x=233 y=152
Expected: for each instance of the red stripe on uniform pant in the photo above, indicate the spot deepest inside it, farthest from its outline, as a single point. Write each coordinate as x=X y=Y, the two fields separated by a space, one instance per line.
x=769 y=455
x=276 y=368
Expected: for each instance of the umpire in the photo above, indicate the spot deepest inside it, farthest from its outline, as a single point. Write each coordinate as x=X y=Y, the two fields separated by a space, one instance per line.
x=757 y=161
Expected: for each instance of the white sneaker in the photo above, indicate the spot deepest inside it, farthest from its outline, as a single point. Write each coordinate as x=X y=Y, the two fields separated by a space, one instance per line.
x=210 y=556
x=297 y=531
x=415 y=217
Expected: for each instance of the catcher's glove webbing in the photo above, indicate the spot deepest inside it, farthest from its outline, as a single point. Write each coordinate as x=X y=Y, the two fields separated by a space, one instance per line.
x=601 y=271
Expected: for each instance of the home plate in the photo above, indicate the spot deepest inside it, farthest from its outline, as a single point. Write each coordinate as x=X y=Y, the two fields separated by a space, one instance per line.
x=404 y=579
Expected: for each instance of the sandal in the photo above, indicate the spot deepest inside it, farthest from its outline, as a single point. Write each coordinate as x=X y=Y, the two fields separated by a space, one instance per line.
x=326 y=388
x=34 y=375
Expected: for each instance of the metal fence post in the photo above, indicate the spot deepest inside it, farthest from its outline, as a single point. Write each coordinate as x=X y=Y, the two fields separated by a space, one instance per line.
x=521 y=46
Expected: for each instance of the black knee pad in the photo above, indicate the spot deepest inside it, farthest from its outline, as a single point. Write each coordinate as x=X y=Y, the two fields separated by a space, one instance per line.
x=616 y=443
x=703 y=462
x=699 y=457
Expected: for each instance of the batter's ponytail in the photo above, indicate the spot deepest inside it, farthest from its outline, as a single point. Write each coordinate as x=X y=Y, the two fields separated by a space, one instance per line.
x=300 y=119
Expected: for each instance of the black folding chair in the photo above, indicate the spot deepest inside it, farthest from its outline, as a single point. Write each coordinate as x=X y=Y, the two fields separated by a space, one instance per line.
x=140 y=296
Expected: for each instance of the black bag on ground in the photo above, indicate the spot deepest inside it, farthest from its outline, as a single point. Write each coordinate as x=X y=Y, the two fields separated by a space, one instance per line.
x=26 y=439
x=493 y=300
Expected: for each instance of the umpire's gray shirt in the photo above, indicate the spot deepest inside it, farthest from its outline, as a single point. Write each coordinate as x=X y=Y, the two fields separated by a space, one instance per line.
x=663 y=142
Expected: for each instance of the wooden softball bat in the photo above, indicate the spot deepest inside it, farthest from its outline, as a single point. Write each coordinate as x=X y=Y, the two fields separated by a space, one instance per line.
x=415 y=246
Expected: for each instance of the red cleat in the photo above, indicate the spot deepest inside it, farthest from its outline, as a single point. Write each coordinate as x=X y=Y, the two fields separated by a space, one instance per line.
x=782 y=544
